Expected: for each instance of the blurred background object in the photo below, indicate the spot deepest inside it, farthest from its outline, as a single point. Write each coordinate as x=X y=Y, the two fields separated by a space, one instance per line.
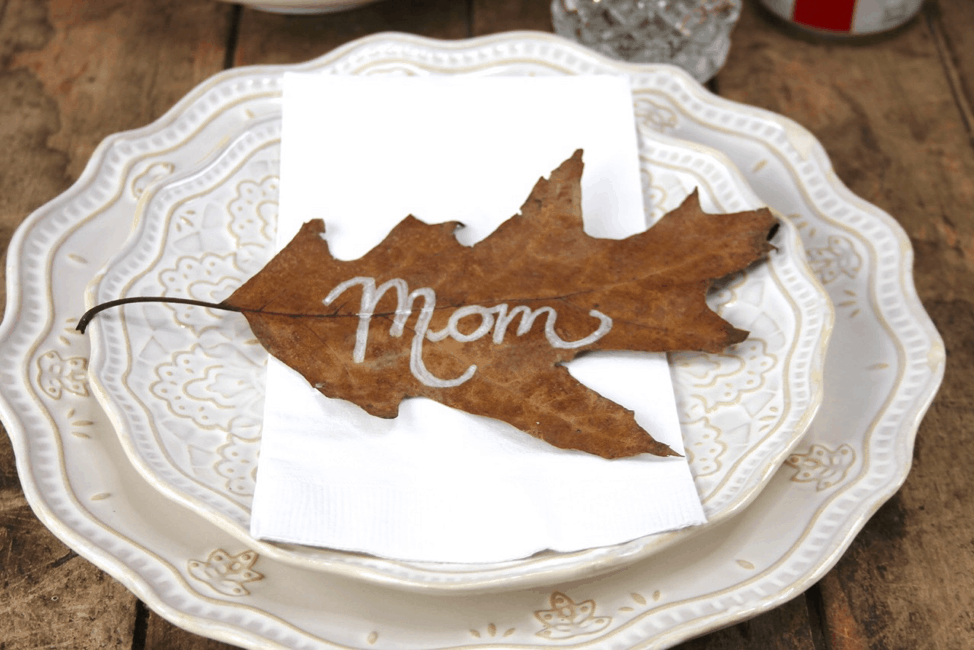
x=692 y=34
x=304 y=6
x=845 y=17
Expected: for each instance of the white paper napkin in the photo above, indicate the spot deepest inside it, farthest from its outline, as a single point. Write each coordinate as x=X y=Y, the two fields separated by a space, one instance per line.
x=437 y=484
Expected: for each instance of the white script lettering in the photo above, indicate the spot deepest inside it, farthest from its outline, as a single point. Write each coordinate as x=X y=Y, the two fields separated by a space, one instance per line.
x=494 y=318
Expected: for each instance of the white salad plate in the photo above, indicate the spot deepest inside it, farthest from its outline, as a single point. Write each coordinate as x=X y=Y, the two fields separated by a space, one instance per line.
x=184 y=385
x=884 y=364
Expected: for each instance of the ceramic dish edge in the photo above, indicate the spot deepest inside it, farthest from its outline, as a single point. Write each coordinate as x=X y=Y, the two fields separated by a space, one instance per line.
x=914 y=412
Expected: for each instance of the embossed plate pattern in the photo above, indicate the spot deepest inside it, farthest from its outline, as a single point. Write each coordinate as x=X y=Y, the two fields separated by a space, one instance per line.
x=852 y=459
x=184 y=384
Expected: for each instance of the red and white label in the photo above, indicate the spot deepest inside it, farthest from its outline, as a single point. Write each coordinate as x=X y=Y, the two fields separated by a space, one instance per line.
x=846 y=16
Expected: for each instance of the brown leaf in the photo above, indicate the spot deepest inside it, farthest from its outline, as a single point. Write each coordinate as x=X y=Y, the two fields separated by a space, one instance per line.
x=454 y=323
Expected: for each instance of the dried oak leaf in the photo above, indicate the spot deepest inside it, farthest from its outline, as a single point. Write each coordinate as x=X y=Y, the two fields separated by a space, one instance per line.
x=453 y=323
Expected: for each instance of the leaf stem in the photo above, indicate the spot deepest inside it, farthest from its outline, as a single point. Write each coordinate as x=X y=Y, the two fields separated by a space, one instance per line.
x=83 y=323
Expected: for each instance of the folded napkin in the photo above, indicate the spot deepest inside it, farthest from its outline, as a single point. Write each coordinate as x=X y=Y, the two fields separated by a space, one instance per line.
x=437 y=484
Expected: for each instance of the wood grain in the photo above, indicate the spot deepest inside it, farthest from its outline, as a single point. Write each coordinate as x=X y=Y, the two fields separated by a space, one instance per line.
x=887 y=114
x=49 y=595
x=950 y=21
x=493 y=16
x=894 y=113
x=272 y=38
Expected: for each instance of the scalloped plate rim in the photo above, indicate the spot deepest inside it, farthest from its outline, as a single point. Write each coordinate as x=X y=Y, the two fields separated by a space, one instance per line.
x=221 y=629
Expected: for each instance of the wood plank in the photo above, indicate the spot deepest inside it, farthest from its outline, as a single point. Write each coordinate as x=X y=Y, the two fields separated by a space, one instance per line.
x=952 y=22
x=493 y=16
x=881 y=111
x=51 y=597
x=885 y=112
x=277 y=38
x=72 y=73
x=922 y=533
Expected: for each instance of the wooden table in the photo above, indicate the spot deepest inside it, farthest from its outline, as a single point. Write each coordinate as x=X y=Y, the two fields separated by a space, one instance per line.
x=894 y=114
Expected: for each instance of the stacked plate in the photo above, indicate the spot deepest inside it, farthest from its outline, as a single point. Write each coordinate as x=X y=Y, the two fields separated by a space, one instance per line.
x=140 y=450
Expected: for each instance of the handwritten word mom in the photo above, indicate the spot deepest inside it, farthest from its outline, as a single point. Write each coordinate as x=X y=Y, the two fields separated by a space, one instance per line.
x=497 y=318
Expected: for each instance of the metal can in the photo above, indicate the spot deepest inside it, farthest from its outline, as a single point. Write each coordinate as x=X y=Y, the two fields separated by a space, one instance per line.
x=845 y=17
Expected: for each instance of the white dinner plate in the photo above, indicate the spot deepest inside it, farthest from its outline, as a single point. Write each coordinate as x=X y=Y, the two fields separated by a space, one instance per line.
x=184 y=385
x=883 y=367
